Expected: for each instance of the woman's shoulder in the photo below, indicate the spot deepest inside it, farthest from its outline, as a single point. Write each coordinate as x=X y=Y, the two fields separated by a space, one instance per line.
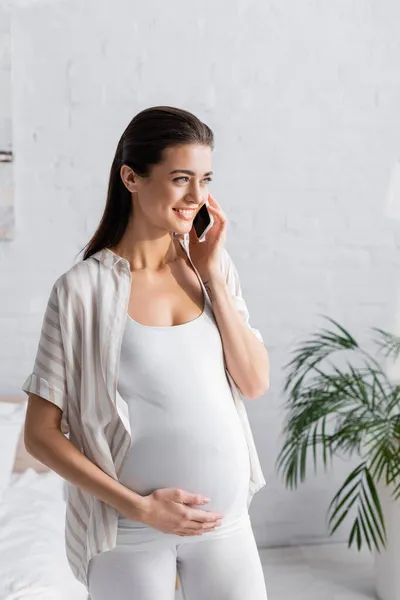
x=78 y=281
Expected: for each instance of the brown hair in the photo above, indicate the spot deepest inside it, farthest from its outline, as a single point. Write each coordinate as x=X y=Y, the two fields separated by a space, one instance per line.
x=140 y=147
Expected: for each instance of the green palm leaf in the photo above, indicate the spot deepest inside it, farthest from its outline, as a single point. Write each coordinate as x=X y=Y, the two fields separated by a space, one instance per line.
x=387 y=342
x=351 y=409
x=369 y=517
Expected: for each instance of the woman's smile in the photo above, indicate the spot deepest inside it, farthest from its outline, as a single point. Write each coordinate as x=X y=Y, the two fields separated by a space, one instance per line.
x=185 y=214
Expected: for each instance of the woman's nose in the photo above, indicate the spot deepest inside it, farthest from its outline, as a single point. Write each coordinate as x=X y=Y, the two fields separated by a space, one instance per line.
x=196 y=197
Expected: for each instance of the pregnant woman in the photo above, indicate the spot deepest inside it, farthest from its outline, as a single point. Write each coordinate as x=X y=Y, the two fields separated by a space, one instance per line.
x=146 y=349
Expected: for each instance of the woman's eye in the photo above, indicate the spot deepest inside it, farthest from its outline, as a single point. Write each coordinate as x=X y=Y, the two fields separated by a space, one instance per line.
x=208 y=179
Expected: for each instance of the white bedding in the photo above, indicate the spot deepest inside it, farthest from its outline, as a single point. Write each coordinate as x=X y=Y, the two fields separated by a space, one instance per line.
x=33 y=564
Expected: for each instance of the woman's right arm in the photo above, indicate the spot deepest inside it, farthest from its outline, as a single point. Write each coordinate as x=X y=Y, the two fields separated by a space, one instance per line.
x=163 y=509
x=45 y=441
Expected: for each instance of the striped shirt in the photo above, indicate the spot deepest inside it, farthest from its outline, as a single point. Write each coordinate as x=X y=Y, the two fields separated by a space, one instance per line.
x=76 y=368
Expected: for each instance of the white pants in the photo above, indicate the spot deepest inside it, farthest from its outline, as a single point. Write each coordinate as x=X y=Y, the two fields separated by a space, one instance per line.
x=223 y=568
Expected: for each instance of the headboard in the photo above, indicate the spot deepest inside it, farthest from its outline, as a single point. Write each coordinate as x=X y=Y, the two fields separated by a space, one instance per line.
x=23 y=460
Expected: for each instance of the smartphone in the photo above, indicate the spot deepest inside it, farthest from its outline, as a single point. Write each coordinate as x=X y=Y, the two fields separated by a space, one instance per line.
x=202 y=222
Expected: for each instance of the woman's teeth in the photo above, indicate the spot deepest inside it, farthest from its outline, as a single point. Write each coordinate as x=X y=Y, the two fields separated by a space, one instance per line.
x=185 y=214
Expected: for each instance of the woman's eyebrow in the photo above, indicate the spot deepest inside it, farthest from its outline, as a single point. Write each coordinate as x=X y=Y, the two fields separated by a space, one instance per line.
x=188 y=172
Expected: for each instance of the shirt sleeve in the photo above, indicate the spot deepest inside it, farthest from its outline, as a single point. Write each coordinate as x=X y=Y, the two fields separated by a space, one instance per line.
x=48 y=378
x=234 y=285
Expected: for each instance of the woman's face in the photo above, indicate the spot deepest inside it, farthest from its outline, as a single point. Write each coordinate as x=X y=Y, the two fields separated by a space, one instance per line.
x=179 y=181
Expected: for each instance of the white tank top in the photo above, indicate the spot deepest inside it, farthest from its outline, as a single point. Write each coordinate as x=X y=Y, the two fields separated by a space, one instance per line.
x=186 y=432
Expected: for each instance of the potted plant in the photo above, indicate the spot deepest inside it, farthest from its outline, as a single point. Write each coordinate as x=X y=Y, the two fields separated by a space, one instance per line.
x=349 y=409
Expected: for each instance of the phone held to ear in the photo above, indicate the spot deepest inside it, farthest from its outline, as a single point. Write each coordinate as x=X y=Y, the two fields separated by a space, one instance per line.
x=202 y=222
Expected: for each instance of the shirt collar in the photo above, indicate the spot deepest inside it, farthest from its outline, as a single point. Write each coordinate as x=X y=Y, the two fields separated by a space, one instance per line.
x=110 y=259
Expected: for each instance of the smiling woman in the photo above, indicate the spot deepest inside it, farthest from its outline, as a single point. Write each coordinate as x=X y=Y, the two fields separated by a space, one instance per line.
x=143 y=193
x=153 y=429
x=156 y=194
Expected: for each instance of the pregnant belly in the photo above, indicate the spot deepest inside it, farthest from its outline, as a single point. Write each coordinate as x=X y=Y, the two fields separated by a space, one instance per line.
x=191 y=462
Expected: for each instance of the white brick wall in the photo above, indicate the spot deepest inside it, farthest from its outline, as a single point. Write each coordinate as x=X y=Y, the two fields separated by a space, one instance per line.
x=303 y=98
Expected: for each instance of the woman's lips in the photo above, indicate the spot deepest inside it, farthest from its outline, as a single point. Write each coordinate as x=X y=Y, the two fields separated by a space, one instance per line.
x=185 y=217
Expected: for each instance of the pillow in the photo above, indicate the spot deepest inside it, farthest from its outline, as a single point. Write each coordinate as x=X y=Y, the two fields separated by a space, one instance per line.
x=24 y=460
x=12 y=418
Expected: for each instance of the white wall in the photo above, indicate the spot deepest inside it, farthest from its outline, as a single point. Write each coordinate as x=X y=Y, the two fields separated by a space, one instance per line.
x=303 y=98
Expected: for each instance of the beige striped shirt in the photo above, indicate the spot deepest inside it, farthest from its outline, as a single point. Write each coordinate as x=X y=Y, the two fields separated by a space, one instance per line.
x=76 y=368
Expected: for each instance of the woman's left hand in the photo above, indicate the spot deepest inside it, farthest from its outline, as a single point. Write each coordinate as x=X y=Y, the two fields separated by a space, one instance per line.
x=206 y=255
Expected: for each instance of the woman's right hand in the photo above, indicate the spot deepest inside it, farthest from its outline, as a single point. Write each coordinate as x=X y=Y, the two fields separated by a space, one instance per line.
x=165 y=510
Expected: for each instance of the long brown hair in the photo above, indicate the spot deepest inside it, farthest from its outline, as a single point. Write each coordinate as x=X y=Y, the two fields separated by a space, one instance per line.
x=140 y=147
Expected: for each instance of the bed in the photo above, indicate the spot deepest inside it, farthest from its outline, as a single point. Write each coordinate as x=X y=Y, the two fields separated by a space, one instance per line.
x=33 y=564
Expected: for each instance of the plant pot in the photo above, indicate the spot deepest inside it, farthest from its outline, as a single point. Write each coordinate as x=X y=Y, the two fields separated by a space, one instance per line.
x=387 y=562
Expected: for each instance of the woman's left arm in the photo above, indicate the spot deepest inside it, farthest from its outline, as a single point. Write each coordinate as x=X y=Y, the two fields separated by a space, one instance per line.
x=246 y=356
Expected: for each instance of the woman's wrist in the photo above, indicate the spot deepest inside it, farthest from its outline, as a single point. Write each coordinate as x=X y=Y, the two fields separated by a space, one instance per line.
x=131 y=504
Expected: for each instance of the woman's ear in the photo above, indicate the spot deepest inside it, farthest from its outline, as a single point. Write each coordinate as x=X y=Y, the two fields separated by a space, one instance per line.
x=129 y=178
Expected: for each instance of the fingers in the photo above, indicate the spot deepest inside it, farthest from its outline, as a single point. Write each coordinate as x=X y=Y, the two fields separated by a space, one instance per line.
x=193 y=526
x=199 y=529
x=196 y=514
x=214 y=205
